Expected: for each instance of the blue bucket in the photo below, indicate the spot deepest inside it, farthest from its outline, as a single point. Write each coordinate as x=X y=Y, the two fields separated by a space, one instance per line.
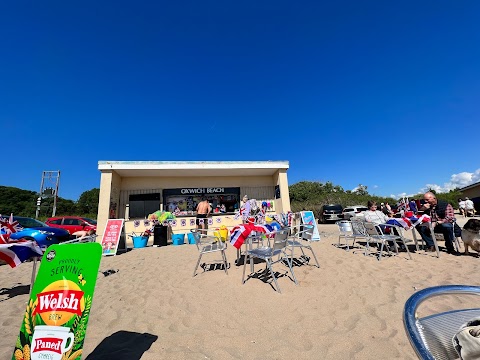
x=139 y=241
x=191 y=238
x=178 y=239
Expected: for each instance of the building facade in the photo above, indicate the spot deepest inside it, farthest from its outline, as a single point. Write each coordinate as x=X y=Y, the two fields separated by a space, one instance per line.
x=133 y=189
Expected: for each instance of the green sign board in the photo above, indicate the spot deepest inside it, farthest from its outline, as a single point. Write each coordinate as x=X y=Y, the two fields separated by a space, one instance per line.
x=55 y=321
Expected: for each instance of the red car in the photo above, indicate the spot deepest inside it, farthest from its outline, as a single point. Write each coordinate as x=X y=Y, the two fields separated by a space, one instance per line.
x=72 y=223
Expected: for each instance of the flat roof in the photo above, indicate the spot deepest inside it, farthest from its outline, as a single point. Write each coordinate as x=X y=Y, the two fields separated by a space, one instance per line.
x=193 y=168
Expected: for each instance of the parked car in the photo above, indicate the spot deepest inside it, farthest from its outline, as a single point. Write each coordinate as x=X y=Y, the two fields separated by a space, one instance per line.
x=351 y=211
x=72 y=223
x=331 y=212
x=38 y=231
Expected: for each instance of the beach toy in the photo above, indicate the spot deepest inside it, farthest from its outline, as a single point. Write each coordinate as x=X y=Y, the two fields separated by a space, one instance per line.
x=191 y=238
x=139 y=241
x=223 y=233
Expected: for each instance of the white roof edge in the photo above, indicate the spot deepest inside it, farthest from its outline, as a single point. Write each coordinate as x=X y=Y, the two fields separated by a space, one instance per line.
x=190 y=165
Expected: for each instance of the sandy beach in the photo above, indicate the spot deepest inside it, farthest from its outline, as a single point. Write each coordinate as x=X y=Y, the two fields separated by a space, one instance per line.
x=152 y=308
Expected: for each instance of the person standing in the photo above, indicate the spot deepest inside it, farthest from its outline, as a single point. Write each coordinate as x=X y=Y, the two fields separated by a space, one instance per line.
x=413 y=206
x=203 y=212
x=461 y=207
x=469 y=207
x=442 y=218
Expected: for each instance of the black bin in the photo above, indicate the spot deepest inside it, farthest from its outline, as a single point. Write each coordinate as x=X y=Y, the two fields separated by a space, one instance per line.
x=160 y=235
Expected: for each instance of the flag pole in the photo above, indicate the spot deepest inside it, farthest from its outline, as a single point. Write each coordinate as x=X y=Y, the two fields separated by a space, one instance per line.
x=34 y=274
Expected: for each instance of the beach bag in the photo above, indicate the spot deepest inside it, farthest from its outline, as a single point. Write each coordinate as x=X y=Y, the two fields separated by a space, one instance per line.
x=467 y=341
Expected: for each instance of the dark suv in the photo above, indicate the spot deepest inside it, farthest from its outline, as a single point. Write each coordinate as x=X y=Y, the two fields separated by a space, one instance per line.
x=331 y=212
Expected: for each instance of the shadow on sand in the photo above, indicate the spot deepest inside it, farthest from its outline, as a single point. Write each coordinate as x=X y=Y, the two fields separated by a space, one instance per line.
x=123 y=345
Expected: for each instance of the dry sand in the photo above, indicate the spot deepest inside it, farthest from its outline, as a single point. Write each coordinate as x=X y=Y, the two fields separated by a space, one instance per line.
x=350 y=308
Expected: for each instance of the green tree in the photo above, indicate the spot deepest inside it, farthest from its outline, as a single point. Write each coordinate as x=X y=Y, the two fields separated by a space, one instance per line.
x=88 y=202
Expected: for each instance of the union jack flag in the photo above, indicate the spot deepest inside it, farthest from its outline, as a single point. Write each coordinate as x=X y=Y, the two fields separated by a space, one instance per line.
x=9 y=226
x=16 y=253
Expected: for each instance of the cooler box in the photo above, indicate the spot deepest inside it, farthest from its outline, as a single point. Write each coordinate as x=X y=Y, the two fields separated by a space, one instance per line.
x=178 y=239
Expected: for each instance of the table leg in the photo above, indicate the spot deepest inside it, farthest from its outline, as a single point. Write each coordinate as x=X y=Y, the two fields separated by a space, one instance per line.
x=415 y=238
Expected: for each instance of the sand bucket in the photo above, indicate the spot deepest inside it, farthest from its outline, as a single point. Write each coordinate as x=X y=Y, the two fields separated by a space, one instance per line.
x=178 y=239
x=139 y=241
x=191 y=238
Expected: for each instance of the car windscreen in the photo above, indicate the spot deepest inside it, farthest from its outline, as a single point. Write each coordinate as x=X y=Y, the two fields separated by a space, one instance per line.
x=347 y=210
x=362 y=209
x=332 y=207
x=29 y=222
x=90 y=221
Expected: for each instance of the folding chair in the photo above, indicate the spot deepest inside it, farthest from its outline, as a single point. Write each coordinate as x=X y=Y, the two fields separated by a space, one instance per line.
x=376 y=234
x=301 y=239
x=209 y=244
x=346 y=231
x=267 y=253
x=431 y=336
x=456 y=242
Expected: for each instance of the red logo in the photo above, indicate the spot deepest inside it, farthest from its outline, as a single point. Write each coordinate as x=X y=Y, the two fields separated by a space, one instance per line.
x=59 y=300
x=48 y=344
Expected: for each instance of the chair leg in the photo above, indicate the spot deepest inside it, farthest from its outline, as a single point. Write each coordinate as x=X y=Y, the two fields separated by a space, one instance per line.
x=381 y=250
x=198 y=263
x=291 y=270
x=273 y=275
x=225 y=260
x=314 y=256
x=244 y=266
x=406 y=247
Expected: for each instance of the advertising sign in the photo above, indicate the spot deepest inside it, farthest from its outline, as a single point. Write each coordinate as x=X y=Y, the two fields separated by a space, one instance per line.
x=111 y=236
x=56 y=317
x=309 y=219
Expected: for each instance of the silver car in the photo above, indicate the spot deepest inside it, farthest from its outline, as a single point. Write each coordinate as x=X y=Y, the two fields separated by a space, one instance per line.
x=351 y=211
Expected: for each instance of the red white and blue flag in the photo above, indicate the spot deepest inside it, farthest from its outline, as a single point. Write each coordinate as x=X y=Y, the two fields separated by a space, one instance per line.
x=9 y=226
x=239 y=233
x=16 y=253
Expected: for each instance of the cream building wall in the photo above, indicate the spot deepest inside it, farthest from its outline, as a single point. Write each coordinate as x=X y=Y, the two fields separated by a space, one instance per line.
x=114 y=190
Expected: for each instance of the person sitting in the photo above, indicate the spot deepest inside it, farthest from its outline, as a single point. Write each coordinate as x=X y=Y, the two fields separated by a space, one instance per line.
x=442 y=218
x=83 y=233
x=378 y=218
x=373 y=215
x=387 y=209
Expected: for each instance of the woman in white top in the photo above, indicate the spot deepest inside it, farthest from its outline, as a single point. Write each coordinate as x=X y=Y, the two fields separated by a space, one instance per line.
x=373 y=215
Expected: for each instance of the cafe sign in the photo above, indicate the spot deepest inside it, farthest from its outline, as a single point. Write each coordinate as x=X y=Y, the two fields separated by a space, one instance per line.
x=202 y=191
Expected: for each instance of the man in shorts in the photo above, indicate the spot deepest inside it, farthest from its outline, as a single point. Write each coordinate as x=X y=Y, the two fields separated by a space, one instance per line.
x=203 y=211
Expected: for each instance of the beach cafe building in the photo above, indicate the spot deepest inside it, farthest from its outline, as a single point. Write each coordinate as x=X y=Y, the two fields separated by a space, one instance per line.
x=132 y=190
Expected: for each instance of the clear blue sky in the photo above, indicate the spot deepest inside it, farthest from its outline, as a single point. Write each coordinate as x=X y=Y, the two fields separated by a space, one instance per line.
x=381 y=93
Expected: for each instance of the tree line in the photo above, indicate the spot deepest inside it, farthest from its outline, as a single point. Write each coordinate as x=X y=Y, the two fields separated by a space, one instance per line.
x=24 y=203
x=304 y=195
x=312 y=195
